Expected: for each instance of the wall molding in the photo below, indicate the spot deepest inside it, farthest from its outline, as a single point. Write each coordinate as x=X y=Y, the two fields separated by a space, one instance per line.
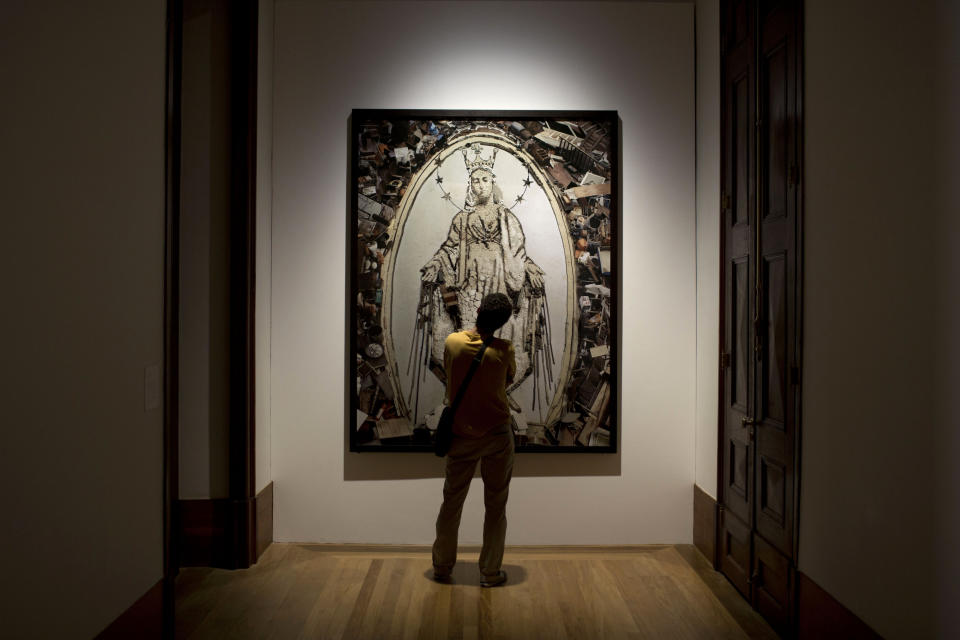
x=264 y=520
x=214 y=533
x=202 y=539
x=820 y=615
x=225 y=533
x=705 y=524
x=142 y=619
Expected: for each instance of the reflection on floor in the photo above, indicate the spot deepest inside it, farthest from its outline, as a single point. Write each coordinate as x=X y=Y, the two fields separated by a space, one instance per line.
x=350 y=591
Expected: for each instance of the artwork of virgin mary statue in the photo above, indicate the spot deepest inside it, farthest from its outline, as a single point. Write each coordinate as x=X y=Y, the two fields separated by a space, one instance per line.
x=484 y=252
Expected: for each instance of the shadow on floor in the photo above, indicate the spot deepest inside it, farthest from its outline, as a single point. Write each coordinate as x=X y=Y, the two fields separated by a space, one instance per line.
x=468 y=575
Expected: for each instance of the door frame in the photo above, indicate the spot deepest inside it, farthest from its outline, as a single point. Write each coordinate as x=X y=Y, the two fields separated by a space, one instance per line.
x=171 y=307
x=240 y=515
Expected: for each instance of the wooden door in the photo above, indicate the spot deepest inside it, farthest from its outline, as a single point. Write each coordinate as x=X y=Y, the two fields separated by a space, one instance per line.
x=761 y=206
x=738 y=215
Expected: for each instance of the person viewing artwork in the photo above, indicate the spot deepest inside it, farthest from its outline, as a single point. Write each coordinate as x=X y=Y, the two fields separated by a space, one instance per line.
x=484 y=253
x=481 y=433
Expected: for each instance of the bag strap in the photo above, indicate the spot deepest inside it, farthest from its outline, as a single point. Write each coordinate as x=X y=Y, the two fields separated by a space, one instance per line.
x=466 y=379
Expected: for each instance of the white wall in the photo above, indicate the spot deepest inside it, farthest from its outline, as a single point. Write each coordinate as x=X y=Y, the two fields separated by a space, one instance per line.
x=636 y=58
x=708 y=241
x=878 y=518
x=264 y=258
x=81 y=178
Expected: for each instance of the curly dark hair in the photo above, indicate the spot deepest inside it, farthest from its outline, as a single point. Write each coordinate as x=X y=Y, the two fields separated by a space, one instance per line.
x=495 y=309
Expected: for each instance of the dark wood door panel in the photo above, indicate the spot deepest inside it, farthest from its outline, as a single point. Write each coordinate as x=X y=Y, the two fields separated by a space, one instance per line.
x=772 y=584
x=741 y=242
x=738 y=476
x=774 y=365
x=740 y=336
x=773 y=488
x=739 y=464
x=735 y=551
x=738 y=22
x=741 y=134
x=766 y=7
x=771 y=494
x=737 y=488
x=737 y=118
x=775 y=121
x=779 y=110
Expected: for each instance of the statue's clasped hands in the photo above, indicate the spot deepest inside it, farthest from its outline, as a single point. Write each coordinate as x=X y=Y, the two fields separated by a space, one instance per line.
x=534 y=276
x=429 y=272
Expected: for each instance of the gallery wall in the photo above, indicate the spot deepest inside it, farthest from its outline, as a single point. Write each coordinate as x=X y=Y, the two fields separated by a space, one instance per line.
x=263 y=433
x=82 y=183
x=879 y=499
x=636 y=58
x=708 y=241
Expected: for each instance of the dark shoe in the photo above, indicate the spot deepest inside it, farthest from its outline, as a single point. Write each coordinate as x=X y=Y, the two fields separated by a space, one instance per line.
x=442 y=575
x=495 y=580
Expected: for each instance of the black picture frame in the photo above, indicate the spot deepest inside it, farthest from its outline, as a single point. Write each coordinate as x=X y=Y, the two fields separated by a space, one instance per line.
x=572 y=160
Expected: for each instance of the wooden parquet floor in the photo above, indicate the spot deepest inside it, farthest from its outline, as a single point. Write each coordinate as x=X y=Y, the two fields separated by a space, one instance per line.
x=386 y=593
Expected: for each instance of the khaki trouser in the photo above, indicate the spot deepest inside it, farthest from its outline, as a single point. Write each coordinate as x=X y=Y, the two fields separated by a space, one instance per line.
x=495 y=453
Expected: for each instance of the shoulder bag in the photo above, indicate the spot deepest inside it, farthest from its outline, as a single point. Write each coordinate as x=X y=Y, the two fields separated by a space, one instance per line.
x=444 y=437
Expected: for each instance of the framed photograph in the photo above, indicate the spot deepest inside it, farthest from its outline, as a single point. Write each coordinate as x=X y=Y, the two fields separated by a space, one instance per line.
x=426 y=244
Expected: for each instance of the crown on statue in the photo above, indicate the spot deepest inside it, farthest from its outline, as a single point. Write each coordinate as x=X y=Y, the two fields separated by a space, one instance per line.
x=478 y=162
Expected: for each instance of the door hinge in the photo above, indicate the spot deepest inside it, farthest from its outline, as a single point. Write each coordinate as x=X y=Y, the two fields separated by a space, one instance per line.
x=724 y=360
x=724 y=202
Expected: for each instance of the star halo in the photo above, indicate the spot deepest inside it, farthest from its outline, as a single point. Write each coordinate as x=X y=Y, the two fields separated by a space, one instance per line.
x=449 y=197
